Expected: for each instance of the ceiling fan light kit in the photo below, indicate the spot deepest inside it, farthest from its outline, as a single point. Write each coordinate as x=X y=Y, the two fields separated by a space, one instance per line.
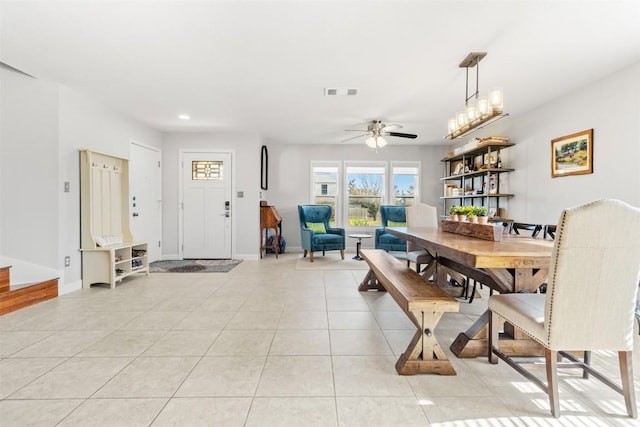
x=375 y=132
x=375 y=142
x=478 y=111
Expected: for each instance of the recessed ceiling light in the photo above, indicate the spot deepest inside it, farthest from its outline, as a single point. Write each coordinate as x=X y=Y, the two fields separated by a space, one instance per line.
x=184 y=117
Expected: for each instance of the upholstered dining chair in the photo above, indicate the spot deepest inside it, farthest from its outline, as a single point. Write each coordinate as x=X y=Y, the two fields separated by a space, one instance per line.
x=390 y=216
x=420 y=215
x=316 y=233
x=590 y=300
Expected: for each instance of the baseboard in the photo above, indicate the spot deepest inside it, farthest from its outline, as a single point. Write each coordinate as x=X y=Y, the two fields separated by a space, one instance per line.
x=66 y=288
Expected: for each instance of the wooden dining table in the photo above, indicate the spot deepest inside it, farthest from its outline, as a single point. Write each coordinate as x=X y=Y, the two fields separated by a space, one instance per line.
x=515 y=264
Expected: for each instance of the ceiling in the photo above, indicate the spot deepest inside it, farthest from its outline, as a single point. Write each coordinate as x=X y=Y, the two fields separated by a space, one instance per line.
x=262 y=66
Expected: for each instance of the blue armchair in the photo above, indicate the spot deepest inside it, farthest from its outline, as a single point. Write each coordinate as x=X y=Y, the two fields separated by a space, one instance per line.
x=386 y=241
x=316 y=233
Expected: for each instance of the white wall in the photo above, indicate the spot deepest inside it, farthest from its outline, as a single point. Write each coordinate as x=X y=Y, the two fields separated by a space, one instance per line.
x=246 y=178
x=29 y=192
x=289 y=176
x=43 y=125
x=87 y=124
x=611 y=107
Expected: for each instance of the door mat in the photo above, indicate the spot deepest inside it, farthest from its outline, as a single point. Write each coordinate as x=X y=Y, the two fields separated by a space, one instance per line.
x=194 y=266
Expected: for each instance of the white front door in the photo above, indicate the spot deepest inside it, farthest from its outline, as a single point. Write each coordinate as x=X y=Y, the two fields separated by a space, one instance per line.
x=206 y=204
x=145 y=197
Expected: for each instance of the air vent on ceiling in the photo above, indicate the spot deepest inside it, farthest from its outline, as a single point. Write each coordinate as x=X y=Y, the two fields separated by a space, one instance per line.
x=340 y=91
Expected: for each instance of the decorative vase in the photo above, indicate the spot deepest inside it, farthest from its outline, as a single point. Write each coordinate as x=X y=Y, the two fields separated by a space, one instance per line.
x=454 y=218
x=473 y=219
x=483 y=219
x=462 y=218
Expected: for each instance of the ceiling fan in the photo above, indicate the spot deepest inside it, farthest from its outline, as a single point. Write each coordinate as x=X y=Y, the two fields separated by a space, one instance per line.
x=376 y=130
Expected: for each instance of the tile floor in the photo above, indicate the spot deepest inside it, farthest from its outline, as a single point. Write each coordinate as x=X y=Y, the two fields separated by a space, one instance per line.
x=263 y=345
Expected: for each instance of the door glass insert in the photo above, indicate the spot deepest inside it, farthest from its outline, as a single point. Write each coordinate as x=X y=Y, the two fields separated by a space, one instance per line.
x=211 y=170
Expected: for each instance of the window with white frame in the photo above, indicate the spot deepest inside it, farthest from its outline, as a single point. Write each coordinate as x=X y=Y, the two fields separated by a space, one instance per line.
x=365 y=192
x=325 y=179
x=366 y=186
x=405 y=179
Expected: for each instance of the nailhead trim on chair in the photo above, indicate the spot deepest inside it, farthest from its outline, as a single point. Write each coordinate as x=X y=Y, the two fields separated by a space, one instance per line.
x=552 y=278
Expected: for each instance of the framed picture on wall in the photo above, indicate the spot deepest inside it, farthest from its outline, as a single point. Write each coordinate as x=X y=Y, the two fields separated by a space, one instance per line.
x=572 y=154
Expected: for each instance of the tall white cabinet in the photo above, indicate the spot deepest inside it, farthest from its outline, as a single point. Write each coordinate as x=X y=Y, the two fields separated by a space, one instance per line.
x=109 y=253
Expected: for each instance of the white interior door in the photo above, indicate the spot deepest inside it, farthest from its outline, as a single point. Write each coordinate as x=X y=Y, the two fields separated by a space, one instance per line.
x=145 y=198
x=206 y=204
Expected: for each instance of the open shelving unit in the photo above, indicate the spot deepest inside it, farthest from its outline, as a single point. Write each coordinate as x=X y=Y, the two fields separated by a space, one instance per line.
x=472 y=177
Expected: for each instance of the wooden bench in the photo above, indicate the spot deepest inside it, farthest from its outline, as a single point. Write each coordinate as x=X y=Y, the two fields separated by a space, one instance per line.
x=423 y=302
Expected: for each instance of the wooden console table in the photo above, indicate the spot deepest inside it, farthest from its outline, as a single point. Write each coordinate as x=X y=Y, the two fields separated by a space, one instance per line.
x=270 y=219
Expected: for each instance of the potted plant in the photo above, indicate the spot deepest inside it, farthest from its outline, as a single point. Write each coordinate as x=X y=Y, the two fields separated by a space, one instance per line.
x=471 y=213
x=481 y=213
x=453 y=213
x=462 y=213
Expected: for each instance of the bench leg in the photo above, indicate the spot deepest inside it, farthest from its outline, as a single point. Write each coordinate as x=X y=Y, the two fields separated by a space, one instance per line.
x=370 y=283
x=424 y=354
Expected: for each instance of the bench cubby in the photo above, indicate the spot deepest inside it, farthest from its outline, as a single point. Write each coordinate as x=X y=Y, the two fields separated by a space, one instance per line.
x=111 y=264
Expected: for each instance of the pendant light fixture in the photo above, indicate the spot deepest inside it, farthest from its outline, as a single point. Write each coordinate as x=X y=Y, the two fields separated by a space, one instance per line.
x=478 y=111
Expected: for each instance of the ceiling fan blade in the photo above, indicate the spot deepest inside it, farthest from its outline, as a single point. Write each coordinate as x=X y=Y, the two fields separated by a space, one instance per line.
x=354 y=137
x=403 y=135
x=389 y=128
x=356 y=130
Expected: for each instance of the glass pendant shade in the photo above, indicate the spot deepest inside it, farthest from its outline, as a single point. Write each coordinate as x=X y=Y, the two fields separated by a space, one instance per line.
x=482 y=108
x=452 y=125
x=461 y=118
x=471 y=113
x=496 y=100
x=371 y=142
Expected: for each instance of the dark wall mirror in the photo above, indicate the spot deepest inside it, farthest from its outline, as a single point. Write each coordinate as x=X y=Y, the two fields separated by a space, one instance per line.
x=264 y=168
